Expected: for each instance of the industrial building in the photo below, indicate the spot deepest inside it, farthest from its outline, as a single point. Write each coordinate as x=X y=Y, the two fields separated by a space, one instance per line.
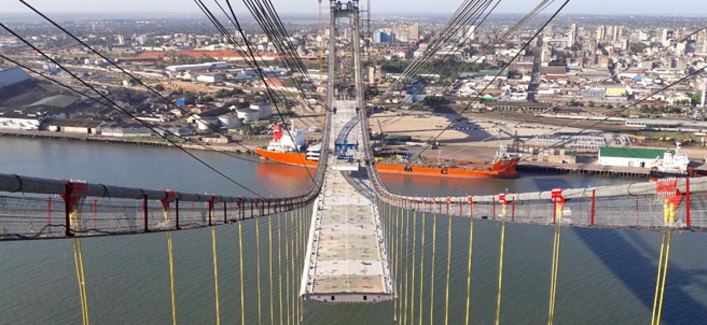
x=15 y=121
x=12 y=78
x=202 y=66
x=75 y=126
x=126 y=130
x=629 y=157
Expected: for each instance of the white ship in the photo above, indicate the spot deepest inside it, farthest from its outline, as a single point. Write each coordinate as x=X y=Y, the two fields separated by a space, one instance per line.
x=671 y=165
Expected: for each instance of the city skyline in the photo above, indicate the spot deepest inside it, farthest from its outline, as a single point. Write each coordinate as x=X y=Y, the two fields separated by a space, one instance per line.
x=598 y=7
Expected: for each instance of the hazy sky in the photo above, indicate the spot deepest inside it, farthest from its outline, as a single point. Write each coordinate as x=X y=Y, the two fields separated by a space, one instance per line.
x=638 y=7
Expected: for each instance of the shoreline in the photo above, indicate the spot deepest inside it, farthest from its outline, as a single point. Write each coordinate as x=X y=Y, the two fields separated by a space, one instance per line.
x=240 y=146
x=248 y=147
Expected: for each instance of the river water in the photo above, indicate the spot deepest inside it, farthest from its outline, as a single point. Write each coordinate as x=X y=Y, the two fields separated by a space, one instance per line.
x=605 y=276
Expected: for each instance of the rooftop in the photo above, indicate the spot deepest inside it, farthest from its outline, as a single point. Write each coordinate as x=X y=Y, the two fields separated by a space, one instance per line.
x=76 y=123
x=639 y=153
x=57 y=101
x=13 y=76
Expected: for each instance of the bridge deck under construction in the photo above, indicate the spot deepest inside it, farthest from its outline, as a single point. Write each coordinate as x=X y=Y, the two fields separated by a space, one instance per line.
x=346 y=255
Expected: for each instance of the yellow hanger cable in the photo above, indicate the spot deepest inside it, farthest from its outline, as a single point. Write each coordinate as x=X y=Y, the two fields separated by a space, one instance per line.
x=432 y=267
x=422 y=264
x=272 y=307
x=215 y=257
x=500 y=273
x=449 y=269
x=468 y=272
x=78 y=260
x=241 y=270
x=170 y=249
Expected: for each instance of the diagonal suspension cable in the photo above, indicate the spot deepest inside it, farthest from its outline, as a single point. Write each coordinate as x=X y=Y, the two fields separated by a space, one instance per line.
x=204 y=163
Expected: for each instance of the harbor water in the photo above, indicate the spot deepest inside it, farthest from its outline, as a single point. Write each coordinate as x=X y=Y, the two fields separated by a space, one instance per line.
x=605 y=276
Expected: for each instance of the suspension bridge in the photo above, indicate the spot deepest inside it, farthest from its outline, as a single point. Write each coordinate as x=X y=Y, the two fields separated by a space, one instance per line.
x=348 y=239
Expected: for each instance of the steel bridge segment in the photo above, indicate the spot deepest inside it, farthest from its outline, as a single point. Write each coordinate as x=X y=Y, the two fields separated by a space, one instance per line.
x=346 y=256
x=346 y=259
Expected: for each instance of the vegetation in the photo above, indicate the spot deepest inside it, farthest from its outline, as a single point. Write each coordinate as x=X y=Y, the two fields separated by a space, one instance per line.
x=637 y=48
x=435 y=101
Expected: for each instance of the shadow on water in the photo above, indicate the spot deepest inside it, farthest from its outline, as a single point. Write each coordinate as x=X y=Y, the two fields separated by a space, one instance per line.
x=634 y=261
x=636 y=267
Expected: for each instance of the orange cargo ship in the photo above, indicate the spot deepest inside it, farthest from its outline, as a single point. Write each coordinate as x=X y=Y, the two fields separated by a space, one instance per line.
x=290 y=158
x=282 y=149
x=503 y=165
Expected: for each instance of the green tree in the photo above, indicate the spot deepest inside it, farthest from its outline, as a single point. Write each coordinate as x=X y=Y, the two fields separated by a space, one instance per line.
x=637 y=48
x=435 y=101
x=696 y=98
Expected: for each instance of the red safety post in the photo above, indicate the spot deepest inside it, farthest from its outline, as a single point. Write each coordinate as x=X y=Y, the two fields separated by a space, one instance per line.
x=449 y=204
x=558 y=205
x=169 y=197
x=433 y=203
x=225 y=214
x=49 y=214
x=668 y=188
x=504 y=204
x=471 y=206
x=513 y=210
x=73 y=191
x=688 y=212
x=594 y=201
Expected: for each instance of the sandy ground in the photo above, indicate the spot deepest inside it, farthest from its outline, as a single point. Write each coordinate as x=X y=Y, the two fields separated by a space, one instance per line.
x=475 y=138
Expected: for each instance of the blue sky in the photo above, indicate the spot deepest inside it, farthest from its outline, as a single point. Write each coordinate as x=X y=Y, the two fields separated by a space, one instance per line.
x=639 y=7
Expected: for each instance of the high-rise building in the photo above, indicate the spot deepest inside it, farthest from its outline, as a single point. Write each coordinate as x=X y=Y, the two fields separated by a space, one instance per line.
x=618 y=30
x=406 y=32
x=382 y=36
x=600 y=33
x=468 y=33
x=572 y=36
x=666 y=36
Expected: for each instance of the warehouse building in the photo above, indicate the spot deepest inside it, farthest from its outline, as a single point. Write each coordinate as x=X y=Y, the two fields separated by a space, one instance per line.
x=13 y=78
x=629 y=157
x=75 y=126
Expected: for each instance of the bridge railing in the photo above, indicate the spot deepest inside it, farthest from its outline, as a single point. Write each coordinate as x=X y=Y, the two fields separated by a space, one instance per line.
x=668 y=203
x=45 y=208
